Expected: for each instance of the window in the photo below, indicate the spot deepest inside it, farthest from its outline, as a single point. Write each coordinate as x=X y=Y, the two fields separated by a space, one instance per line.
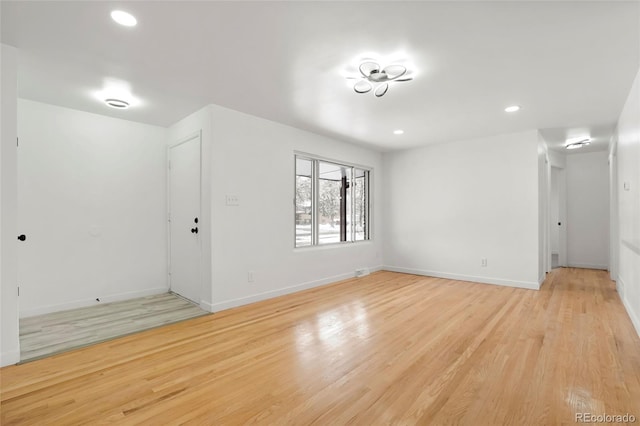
x=331 y=202
x=304 y=195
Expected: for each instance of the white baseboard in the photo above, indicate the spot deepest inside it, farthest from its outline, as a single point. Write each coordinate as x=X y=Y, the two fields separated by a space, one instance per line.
x=9 y=358
x=206 y=306
x=83 y=303
x=541 y=280
x=233 y=303
x=376 y=268
x=587 y=265
x=620 y=288
x=530 y=285
x=635 y=316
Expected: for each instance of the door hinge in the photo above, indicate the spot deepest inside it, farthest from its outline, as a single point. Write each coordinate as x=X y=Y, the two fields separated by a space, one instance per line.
x=18 y=290
x=17 y=141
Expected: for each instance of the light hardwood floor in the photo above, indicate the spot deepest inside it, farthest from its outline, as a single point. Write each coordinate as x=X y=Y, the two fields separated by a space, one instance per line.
x=57 y=332
x=385 y=349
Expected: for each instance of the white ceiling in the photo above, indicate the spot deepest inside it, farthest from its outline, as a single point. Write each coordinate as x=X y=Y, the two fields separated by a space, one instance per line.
x=569 y=64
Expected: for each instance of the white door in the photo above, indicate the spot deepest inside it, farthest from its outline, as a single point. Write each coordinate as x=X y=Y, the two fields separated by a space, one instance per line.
x=184 y=217
x=557 y=216
x=562 y=218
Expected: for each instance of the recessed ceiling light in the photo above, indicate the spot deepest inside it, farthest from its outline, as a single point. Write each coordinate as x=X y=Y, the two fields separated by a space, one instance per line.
x=398 y=132
x=512 y=108
x=124 y=18
x=578 y=144
x=117 y=103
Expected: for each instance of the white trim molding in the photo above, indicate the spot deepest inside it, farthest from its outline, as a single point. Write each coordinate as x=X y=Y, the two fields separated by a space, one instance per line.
x=529 y=285
x=541 y=279
x=9 y=358
x=634 y=316
x=83 y=303
x=588 y=266
x=258 y=297
x=620 y=288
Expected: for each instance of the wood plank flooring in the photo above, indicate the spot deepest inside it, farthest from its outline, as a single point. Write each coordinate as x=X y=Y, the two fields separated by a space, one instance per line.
x=388 y=348
x=47 y=334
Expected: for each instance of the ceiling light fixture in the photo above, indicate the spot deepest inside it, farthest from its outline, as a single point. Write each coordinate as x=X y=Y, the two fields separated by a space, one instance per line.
x=117 y=103
x=512 y=108
x=398 y=132
x=374 y=75
x=578 y=144
x=124 y=18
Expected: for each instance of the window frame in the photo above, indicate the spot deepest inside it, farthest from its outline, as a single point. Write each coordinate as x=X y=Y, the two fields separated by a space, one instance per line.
x=315 y=160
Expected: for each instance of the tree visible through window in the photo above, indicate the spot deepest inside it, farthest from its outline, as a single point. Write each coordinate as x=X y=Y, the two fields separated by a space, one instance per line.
x=303 y=202
x=331 y=204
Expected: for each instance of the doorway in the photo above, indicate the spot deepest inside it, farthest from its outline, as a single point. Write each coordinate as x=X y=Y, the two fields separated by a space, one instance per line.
x=557 y=216
x=184 y=218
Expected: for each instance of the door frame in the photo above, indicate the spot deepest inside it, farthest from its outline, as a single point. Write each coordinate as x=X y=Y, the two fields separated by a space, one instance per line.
x=563 y=253
x=189 y=138
x=562 y=213
x=614 y=241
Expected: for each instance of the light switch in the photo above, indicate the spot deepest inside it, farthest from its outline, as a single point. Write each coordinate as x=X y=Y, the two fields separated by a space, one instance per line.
x=232 y=200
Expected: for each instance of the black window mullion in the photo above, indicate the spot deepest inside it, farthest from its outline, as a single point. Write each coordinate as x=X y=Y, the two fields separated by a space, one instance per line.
x=344 y=185
x=314 y=204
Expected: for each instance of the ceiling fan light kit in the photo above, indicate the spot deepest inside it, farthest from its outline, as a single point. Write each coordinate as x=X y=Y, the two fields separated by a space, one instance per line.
x=372 y=75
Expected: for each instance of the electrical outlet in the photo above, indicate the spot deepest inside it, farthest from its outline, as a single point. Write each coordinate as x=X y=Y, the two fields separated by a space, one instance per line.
x=362 y=272
x=250 y=276
x=483 y=262
x=232 y=200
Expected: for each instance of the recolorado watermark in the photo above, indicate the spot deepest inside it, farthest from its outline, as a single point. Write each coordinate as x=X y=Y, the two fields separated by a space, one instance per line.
x=605 y=418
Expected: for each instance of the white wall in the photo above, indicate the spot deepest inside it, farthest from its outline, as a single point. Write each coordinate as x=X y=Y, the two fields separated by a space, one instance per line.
x=253 y=159
x=92 y=202
x=9 y=341
x=448 y=206
x=587 y=177
x=628 y=196
x=557 y=159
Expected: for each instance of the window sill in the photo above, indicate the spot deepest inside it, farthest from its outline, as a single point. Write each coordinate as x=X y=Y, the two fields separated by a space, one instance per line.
x=333 y=246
